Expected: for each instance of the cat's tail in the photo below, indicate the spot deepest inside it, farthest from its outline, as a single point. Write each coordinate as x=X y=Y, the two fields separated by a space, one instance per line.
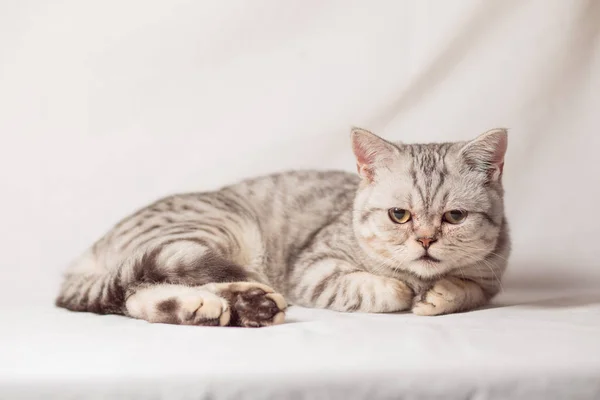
x=101 y=294
x=88 y=286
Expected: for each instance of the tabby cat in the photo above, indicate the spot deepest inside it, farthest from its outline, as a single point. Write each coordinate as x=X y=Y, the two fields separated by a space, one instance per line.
x=420 y=228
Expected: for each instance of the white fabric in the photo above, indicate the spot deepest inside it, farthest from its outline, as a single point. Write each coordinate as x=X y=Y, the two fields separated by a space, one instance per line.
x=532 y=346
x=105 y=106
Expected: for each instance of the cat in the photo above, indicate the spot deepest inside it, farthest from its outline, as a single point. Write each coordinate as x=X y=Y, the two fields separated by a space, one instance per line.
x=421 y=227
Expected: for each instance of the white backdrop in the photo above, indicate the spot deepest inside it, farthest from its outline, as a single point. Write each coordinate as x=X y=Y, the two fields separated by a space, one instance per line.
x=105 y=106
x=108 y=105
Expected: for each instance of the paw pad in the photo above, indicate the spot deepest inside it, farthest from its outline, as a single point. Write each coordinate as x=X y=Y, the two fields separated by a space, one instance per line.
x=253 y=306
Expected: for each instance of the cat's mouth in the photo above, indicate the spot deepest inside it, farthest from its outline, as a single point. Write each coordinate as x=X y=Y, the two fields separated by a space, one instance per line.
x=427 y=258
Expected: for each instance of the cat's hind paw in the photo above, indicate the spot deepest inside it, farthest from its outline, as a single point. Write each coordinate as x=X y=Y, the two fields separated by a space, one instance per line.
x=181 y=305
x=253 y=304
x=203 y=309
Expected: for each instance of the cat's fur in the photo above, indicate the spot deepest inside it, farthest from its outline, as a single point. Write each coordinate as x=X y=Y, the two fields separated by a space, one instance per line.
x=317 y=239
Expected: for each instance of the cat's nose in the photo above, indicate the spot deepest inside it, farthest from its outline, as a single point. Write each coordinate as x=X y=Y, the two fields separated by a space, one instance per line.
x=426 y=241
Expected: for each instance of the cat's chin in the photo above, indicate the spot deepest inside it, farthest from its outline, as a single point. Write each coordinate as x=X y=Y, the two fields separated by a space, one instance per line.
x=428 y=267
x=429 y=259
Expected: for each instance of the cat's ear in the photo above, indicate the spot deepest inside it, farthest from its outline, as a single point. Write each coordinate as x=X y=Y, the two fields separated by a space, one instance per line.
x=371 y=152
x=485 y=154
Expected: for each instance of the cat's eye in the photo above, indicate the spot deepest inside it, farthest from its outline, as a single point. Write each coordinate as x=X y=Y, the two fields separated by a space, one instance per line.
x=399 y=215
x=455 y=216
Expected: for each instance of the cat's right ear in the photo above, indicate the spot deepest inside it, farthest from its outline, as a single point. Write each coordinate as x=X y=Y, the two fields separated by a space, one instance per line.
x=371 y=152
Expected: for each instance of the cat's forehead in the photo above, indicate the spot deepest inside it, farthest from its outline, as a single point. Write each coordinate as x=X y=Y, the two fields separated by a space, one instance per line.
x=427 y=177
x=430 y=156
x=423 y=162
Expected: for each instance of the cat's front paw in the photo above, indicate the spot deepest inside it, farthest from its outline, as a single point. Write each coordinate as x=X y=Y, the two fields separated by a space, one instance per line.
x=365 y=292
x=398 y=296
x=443 y=297
x=449 y=295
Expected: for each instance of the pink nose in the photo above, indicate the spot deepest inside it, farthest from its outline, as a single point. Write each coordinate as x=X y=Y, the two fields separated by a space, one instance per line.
x=426 y=241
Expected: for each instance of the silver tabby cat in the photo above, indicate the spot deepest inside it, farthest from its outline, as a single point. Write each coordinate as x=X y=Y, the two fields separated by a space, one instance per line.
x=421 y=228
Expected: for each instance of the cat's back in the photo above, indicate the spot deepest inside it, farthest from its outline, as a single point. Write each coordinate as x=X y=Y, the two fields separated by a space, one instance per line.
x=279 y=209
x=298 y=192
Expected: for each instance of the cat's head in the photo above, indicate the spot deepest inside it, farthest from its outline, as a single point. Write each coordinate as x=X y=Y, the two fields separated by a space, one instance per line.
x=429 y=208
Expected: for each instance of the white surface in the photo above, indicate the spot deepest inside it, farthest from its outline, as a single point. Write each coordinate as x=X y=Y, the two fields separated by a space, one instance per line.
x=105 y=106
x=533 y=345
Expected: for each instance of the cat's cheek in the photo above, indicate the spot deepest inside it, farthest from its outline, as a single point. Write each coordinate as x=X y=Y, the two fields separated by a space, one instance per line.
x=462 y=231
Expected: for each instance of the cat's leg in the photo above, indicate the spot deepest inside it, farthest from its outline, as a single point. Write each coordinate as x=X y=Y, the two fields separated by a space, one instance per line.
x=338 y=285
x=449 y=295
x=247 y=304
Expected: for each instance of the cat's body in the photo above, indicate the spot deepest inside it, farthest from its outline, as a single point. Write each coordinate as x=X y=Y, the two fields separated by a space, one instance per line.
x=321 y=239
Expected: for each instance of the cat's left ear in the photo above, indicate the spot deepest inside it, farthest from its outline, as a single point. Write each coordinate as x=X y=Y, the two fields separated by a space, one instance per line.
x=486 y=153
x=371 y=152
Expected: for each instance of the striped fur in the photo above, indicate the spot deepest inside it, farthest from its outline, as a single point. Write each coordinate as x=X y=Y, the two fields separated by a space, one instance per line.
x=319 y=239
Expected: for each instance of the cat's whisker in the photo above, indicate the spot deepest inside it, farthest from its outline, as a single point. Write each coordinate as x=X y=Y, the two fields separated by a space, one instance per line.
x=487 y=264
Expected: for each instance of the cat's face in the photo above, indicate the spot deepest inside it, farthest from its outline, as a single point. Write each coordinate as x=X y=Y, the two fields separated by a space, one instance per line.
x=432 y=208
